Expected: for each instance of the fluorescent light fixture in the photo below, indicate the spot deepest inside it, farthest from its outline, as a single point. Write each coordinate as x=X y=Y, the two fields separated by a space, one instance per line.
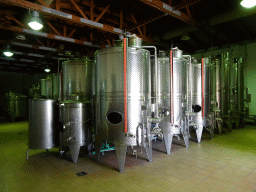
x=35 y=22
x=248 y=3
x=8 y=52
x=47 y=70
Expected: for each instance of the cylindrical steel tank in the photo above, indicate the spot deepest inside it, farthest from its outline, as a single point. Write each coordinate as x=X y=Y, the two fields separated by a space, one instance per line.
x=163 y=83
x=77 y=78
x=16 y=105
x=225 y=84
x=43 y=87
x=110 y=91
x=179 y=87
x=55 y=85
x=200 y=104
x=75 y=117
x=111 y=102
x=48 y=87
x=76 y=107
x=43 y=133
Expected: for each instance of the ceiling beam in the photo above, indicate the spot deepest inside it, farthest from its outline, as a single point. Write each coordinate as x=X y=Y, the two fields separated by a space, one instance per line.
x=170 y=10
x=63 y=15
x=135 y=21
x=215 y=20
x=78 y=8
x=102 y=13
x=47 y=35
x=186 y=3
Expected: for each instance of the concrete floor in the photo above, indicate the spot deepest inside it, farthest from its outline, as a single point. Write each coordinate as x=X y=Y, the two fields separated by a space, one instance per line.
x=225 y=163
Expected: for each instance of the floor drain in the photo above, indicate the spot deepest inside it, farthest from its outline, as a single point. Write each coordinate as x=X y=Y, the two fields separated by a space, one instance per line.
x=81 y=173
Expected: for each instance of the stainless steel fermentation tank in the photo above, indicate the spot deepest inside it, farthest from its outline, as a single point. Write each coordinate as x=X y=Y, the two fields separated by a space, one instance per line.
x=43 y=133
x=16 y=105
x=46 y=87
x=199 y=97
x=215 y=92
x=173 y=82
x=123 y=98
x=75 y=107
x=56 y=85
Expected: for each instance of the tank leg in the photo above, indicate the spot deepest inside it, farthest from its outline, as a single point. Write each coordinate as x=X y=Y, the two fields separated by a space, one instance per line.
x=186 y=139
x=98 y=144
x=199 y=132
x=219 y=124
x=121 y=155
x=149 y=151
x=168 y=141
x=74 y=150
x=27 y=153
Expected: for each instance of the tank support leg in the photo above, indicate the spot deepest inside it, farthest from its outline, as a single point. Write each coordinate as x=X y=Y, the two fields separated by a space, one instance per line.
x=149 y=151
x=74 y=150
x=27 y=153
x=168 y=141
x=121 y=155
x=219 y=125
x=98 y=144
x=186 y=139
x=199 y=132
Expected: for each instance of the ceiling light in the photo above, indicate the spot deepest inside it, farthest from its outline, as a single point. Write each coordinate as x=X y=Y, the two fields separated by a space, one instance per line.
x=8 y=51
x=47 y=70
x=248 y=3
x=35 y=22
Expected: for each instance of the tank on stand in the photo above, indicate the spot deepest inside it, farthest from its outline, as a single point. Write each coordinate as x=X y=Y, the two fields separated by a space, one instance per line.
x=76 y=105
x=43 y=116
x=199 y=97
x=175 y=123
x=123 y=98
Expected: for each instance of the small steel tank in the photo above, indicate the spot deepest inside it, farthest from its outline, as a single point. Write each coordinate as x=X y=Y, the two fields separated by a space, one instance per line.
x=199 y=96
x=16 y=105
x=175 y=123
x=76 y=106
x=111 y=116
x=43 y=115
x=55 y=85
x=43 y=88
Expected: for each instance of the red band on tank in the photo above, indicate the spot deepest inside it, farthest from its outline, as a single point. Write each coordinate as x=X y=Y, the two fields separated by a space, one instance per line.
x=171 y=86
x=202 y=86
x=125 y=87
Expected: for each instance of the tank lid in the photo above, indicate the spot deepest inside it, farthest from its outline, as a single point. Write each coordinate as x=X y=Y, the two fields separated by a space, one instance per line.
x=177 y=52
x=134 y=41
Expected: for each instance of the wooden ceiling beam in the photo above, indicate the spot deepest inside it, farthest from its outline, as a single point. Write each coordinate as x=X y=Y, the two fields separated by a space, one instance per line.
x=102 y=13
x=121 y=19
x=43 y=3
x=170 y=10
x=47 y=35
x=185 y=3
x=18 y=22
x=135 y=21
x=63 y=15
x=65 y=31
x=53 y=28
x=78 y=8
x=40 y=42
x=91 y=10
x=71 y=33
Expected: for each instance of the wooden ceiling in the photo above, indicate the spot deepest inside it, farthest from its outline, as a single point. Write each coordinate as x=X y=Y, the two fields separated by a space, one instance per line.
x=80 y=27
